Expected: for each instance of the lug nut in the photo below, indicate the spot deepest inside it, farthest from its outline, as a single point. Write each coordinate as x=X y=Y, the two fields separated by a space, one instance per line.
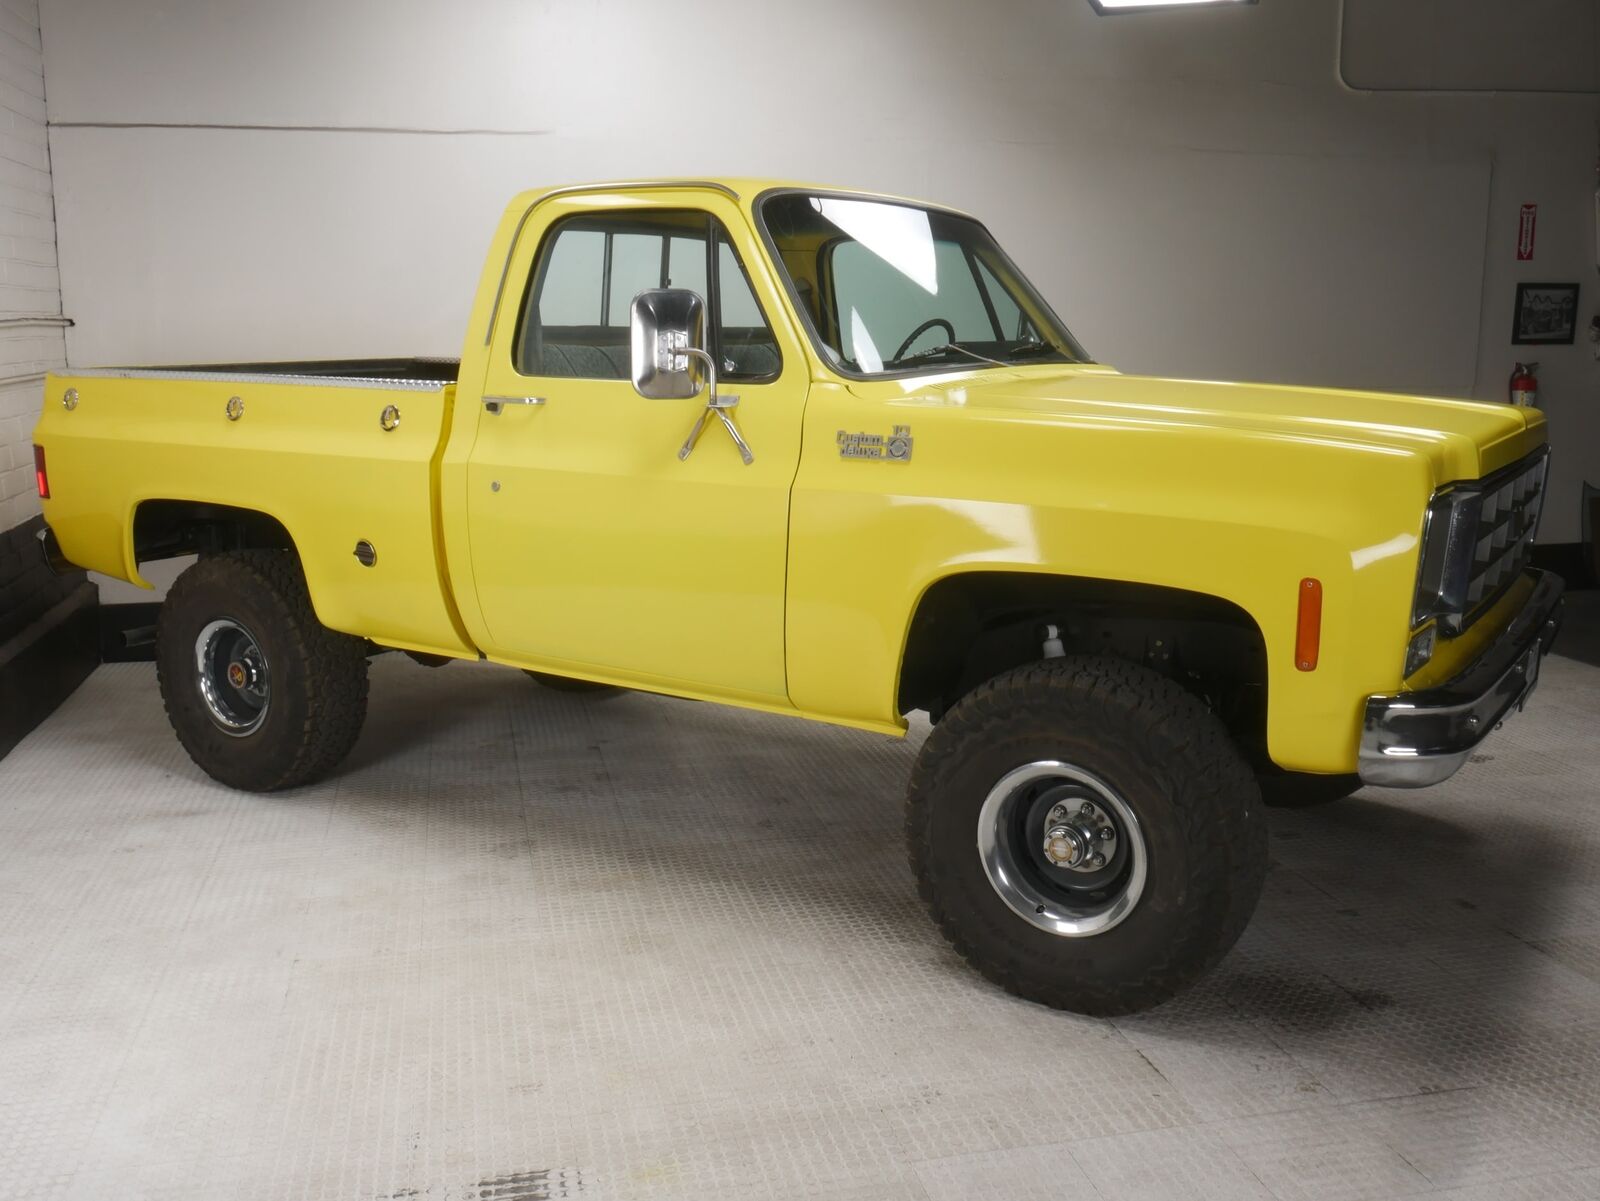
x=1098 y=861
x=1086 y=808
x=1107 y=834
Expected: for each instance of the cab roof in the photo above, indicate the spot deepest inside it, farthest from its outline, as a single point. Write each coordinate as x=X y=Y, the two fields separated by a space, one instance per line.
x=742 y=189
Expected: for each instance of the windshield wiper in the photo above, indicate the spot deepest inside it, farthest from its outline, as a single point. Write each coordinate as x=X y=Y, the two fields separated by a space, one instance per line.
x=1033 y=348
x=944 y=346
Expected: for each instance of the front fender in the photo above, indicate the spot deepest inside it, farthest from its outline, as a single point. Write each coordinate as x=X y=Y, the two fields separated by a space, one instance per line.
x=1243 y=517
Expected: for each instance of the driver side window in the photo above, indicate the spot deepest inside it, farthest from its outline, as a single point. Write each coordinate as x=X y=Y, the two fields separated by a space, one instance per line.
x=575 y=318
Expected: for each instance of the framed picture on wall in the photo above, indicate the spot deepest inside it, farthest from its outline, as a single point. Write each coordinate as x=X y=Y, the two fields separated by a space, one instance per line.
x=1547 y=315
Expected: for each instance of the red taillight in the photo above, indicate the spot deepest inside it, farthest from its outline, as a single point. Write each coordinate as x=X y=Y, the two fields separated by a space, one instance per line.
x=1308 y=629
x=40 y=476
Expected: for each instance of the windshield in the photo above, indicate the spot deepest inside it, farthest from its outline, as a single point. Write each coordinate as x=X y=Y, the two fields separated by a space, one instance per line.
x=890 y=288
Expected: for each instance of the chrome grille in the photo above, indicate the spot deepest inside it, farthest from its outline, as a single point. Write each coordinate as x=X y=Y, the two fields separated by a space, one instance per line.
x=1507 y=522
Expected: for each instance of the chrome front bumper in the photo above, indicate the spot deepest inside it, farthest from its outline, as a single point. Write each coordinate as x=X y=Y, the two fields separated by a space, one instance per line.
x=1420 y=738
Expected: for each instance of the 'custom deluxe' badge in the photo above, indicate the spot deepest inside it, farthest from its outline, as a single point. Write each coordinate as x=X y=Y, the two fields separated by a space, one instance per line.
x=895 y=447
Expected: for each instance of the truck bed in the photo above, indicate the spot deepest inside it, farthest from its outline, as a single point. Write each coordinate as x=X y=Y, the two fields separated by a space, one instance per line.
x=335 y=452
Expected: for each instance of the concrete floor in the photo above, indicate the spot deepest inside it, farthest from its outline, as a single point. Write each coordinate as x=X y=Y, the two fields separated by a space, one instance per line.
x=530 y=946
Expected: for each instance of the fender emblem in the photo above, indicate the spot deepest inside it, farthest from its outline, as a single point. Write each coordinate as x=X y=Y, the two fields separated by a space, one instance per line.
x=894 y=447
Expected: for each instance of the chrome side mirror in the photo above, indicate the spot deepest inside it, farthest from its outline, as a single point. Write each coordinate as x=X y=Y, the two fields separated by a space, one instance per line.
x=666 y=330
x=667 y=335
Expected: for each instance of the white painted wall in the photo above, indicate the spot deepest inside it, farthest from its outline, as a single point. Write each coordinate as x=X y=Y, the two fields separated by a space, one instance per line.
x=1476 y=45
x=1197 y=192
x=29 y=288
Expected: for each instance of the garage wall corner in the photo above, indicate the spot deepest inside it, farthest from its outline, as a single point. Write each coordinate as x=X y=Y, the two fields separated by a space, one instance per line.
x=48 y=636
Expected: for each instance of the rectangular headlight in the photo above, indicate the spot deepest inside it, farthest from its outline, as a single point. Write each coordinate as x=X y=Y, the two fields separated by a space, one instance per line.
x=1444 y=567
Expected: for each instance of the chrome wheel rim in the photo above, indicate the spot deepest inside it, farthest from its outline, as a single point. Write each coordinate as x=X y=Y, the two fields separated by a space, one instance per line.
x=1039 y=832
x=231 y=674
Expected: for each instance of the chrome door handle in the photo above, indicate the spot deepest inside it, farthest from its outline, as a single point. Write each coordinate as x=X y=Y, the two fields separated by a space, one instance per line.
x=497 y=403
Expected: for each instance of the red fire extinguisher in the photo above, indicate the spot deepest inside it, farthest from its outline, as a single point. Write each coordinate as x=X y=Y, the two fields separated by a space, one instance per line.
x=1525 y=384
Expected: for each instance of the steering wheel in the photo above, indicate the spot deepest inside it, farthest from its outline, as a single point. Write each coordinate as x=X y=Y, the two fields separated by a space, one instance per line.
x=919 y=331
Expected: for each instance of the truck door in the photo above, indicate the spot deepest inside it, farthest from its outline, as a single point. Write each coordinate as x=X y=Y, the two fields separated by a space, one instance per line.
x=594 y=546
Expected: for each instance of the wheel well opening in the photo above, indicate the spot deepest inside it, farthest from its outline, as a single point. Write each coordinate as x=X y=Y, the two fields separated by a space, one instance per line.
x=969 y=628
x=166 y=529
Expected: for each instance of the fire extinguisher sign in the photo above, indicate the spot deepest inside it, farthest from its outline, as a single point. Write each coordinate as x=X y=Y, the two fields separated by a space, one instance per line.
x=1525 y=232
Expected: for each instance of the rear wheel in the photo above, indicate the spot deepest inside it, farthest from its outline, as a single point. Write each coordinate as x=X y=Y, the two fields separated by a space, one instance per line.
x=261 y=694
x=1086 y=834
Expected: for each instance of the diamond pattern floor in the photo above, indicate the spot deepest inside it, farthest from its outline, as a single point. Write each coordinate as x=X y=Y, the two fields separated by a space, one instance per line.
x=528 y=946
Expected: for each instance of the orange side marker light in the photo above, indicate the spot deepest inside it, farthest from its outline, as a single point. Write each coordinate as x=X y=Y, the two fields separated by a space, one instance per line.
x=1308 y=629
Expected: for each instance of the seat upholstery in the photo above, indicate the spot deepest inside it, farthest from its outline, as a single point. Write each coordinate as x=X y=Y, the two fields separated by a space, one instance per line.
x=574 y=360
x=604 y=352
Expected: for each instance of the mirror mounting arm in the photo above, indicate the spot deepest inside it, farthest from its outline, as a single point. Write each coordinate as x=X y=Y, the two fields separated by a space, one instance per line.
x=720 y=404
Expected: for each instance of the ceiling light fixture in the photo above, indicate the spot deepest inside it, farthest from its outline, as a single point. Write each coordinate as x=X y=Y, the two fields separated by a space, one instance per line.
x=1105 y=7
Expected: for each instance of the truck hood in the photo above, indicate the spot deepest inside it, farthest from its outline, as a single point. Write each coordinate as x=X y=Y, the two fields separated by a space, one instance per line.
x=1463 y=439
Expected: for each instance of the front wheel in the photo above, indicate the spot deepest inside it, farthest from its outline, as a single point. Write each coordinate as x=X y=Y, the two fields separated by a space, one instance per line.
x=1086 y=834
x=261 y=694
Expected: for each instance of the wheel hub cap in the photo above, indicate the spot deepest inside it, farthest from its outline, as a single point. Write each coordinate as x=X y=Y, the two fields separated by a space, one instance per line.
x=1062 y=848
x=1083 y=840
x=231 y=676
x=1065 y=846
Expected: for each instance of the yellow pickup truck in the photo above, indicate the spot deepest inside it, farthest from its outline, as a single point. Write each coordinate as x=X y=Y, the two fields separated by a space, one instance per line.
x=830 y=454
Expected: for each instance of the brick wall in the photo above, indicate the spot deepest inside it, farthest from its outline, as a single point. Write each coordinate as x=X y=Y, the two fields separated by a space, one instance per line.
x=31 y=338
